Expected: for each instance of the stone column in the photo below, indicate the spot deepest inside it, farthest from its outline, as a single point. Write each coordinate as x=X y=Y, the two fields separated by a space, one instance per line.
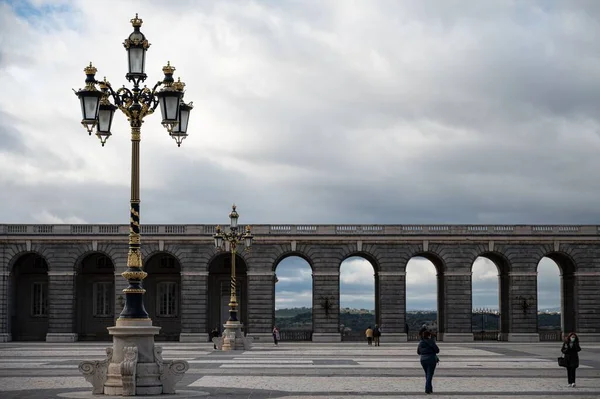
x=523 y=307
x=587 y=304
x=61 y=307
x=261 y=305
x=194 y=305
x=326 y=306
x=392 y=302
x=456 y=306
x=5 y=335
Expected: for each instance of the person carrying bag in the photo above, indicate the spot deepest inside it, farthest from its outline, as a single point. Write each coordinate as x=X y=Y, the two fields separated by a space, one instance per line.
x=570 y=359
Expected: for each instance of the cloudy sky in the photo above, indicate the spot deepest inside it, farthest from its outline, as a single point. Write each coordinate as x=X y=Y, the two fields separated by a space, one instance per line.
x=311 y=112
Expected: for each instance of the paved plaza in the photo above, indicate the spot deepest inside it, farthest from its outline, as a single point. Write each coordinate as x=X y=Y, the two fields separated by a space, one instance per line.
x=309 y=370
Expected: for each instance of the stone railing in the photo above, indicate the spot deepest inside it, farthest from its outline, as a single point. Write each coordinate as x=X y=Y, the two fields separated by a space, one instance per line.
x=304 y=229
x=551 y=336
x=295 y=335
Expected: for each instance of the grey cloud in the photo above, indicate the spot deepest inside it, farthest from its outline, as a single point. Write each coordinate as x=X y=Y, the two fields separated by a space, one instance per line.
x=387 y=112
x=10 y=139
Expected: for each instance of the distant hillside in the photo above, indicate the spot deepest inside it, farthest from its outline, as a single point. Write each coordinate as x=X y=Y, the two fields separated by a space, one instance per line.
x=291 y=312
x=301 y=318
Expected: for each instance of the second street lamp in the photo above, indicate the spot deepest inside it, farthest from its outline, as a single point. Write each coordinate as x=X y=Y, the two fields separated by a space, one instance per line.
x=232 y=336
x=133 y=335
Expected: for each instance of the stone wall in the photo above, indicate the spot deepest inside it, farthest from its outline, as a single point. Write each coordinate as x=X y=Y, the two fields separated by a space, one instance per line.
x=517 y=259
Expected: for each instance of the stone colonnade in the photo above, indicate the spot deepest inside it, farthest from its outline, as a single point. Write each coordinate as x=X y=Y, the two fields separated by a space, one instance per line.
x=186 y=297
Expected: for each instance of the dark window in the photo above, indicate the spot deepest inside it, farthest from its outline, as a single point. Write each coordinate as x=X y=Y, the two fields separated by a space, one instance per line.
x=39 y=299
x=102 y=262
x=167 y=262
x=103 y=292
x=39 y=263
x=167 y=299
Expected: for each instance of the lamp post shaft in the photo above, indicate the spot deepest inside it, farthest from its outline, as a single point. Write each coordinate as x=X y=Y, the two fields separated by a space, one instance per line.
x=134 y=293
x=233 y=296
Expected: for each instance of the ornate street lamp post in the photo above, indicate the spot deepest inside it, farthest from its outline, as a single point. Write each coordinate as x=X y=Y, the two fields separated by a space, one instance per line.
x=233 y=338
x=133 y=357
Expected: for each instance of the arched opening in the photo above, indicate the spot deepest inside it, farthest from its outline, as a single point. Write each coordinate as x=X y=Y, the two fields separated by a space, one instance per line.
x=487 y=296
x=292 y=312
x=163 y=294
x=219 y=291
x=358 y=299
x=28 y=315
x=424 y=296
x=95 y=297
x=556 y=295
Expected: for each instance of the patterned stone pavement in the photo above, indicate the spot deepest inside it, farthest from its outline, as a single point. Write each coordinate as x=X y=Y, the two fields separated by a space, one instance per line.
x=307 y=370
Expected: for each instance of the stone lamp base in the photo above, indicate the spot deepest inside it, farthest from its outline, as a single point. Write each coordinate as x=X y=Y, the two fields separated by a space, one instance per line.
x=134 y=365
x=233 y=338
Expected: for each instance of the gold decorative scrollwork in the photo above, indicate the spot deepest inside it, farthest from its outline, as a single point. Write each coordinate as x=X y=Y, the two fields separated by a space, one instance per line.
x=134 y=290
x=134 y=258
x=138 y=275
x=134 y=238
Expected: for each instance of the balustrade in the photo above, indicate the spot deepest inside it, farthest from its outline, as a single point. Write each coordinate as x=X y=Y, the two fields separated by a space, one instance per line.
x=374 y=230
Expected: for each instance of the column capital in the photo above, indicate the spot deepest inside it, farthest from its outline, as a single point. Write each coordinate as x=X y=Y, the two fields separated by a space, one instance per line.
x=195 y=273
x=587 y=274
x=65 y=273
x=259 y=273
x=391 y=274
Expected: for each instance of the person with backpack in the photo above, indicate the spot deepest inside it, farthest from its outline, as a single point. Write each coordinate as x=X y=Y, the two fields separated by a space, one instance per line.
x=428 y=350
x=376 y=334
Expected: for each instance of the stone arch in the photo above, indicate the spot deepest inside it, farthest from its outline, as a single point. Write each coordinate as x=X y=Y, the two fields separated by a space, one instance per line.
x=435 y=258
x=503 y=267
x=85 y=250
x=18 y=255
x=365 y=255
x=440 y=267
x=28 y=307
x=150 y=253
x=95 y=288
x=374 y=262
x=163 y=293
x=567 y=267
x=219 y=288
x=287 y=255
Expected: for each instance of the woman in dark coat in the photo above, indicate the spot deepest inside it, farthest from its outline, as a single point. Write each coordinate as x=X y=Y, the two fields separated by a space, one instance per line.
x=571 y=348
x=428 y=350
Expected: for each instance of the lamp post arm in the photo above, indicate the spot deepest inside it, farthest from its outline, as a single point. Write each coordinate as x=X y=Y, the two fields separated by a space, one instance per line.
x=115 y=96
x=153 y=94
x=125 y=100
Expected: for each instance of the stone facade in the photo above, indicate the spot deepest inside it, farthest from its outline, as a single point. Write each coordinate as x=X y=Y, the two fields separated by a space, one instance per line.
x=189 y=278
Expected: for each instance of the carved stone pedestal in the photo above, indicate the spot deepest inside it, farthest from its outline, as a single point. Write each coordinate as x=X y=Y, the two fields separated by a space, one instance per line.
x=233 y=338
x=134 y=365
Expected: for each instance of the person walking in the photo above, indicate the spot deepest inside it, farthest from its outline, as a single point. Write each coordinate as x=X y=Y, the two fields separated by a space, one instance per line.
x=376 y=334
x=570 y=348
x=369 y=335
x=276 y=336
x=422 y=330
x=214 y=334
x=428 y=350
